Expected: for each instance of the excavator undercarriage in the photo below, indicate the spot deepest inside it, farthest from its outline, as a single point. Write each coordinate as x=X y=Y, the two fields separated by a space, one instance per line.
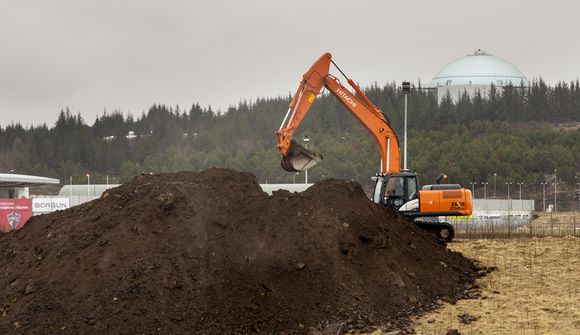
x=443 y=231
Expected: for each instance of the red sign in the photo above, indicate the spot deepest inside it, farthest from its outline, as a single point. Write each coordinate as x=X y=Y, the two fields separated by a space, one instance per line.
x=14 y=213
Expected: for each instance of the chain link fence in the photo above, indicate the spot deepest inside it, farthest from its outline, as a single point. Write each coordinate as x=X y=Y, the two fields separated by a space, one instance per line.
x=517 y=227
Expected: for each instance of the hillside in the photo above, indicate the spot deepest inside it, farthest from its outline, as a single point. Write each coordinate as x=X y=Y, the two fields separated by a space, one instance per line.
x=520 y=134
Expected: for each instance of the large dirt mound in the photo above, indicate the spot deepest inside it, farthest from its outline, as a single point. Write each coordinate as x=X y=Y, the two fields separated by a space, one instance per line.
x=210 y=253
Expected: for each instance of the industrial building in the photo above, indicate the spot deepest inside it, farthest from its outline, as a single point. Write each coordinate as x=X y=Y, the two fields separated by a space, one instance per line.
x=16 y=207
x=78 y=194
x=476 y=72
x=16 y=186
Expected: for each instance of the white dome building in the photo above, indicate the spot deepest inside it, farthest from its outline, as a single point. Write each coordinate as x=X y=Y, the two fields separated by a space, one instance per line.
x=476 y=72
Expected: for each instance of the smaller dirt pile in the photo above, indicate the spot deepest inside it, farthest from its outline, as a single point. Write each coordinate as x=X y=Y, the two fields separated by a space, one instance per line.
x=210 y=253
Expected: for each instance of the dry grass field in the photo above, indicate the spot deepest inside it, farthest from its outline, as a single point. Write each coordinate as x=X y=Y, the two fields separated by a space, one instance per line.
x=535 y=290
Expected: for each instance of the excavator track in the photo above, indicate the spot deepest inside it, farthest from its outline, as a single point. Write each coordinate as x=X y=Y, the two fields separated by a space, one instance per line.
x=443 y=231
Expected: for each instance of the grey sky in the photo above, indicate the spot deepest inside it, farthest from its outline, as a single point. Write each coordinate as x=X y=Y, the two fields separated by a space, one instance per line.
x=127 y=55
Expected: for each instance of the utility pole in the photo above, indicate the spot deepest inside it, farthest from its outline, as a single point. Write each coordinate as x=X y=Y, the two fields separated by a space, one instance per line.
x=406 y=90
x=473 y=188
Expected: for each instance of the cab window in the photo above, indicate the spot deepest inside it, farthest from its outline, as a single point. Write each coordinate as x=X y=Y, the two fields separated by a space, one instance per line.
x=402 y=187
x=378 y=188
x=395 y=187
x=412 y=187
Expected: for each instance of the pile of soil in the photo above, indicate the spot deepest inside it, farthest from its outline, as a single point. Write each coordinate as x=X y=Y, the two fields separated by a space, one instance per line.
x=210 y=253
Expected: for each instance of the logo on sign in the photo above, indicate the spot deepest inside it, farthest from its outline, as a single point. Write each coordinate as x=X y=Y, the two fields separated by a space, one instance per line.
x=13 y=219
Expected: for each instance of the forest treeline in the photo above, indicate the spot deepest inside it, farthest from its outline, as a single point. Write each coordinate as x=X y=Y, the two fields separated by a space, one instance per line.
x=513 y=133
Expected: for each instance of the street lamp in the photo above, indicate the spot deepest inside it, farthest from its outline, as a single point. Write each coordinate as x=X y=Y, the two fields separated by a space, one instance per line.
x=544 y=196
x=485 y=197
x=406 y=90
x=294 y=177
x=520 y=185
x=88 y=185
x=473 y=188
x=306 y=139
x=485 y=190
x=494 y=183
x=509 y=198
x=521 y=203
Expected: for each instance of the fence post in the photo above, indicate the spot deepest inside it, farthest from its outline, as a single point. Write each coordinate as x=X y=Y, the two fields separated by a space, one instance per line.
x=575 y=223
x=551 y=224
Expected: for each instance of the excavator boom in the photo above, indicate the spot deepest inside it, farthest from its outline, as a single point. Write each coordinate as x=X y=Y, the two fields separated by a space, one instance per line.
x=297 y=158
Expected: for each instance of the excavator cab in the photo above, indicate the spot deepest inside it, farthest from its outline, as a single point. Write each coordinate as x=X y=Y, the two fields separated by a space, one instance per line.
x=395 y=190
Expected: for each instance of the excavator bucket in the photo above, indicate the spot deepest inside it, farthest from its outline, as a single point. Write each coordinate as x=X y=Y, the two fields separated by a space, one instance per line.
x=299 y=158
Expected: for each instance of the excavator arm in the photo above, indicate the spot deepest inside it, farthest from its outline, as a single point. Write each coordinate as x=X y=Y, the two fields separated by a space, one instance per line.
x=297 y=158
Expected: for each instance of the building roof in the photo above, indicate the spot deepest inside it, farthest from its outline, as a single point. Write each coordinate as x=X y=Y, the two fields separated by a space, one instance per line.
x=93 y=190
x=9 y=180
x=479 y=68
x=270 y=188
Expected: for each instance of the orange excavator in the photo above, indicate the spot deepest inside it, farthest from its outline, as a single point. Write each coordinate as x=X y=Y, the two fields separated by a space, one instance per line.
x=394 y=188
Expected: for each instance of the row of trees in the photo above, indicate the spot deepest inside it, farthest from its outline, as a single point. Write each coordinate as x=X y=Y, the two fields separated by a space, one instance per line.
x=512 y=133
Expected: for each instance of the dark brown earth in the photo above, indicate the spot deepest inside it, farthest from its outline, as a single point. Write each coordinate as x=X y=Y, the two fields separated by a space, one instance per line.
x=210 y=253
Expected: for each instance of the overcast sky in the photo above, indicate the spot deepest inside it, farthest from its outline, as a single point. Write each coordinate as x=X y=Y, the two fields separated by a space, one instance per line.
x=127 y=55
